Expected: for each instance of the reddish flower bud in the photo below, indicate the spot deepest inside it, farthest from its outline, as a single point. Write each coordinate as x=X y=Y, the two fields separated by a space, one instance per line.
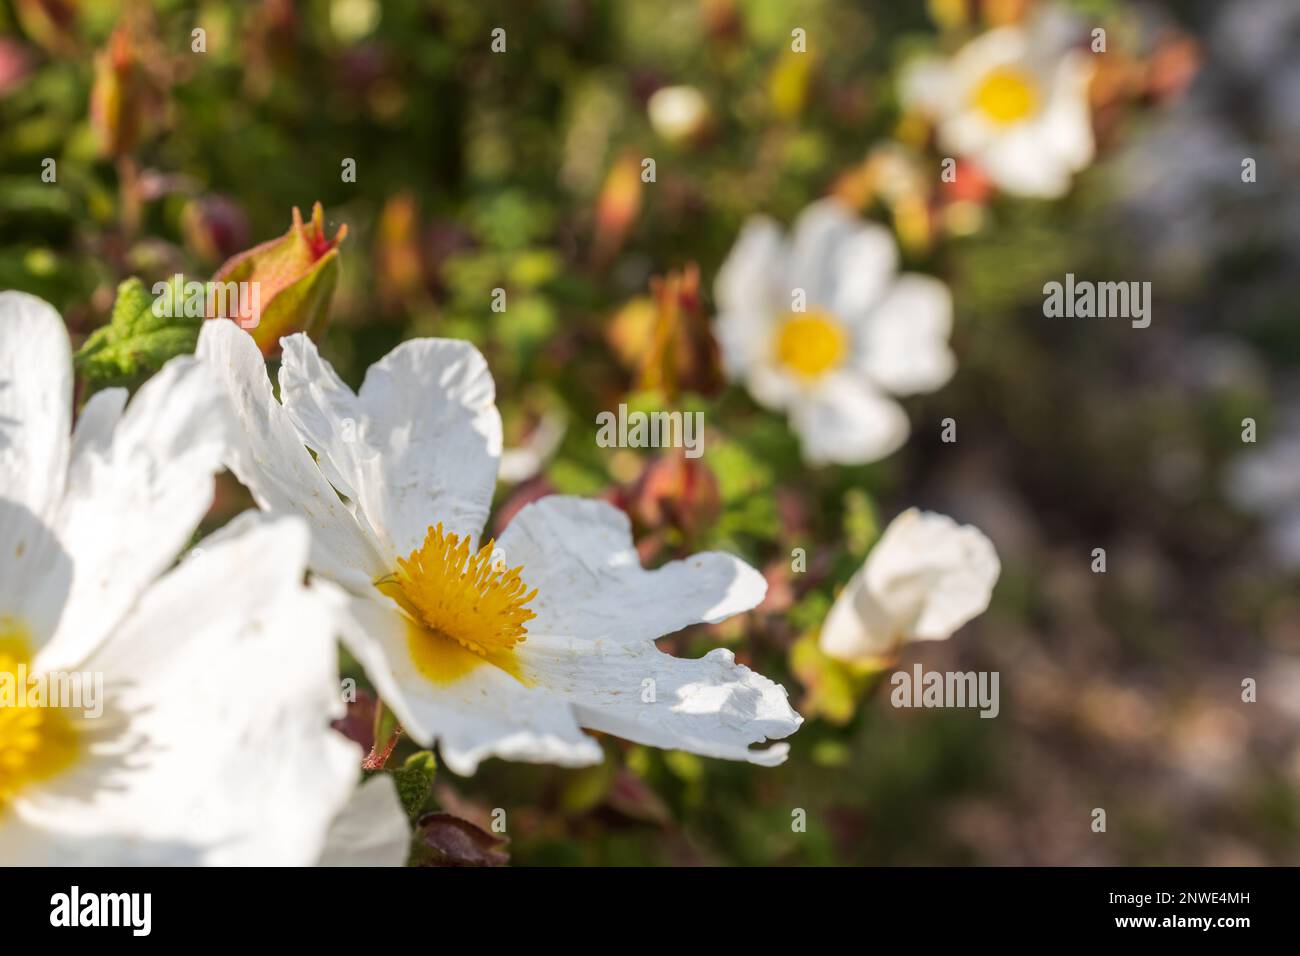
x=284 y=285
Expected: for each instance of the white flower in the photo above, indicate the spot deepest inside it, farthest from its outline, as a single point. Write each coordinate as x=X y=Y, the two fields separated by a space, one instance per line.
x=678 y=113
x=824 y=328
x=504 y=649
x=1015 y=100
x=218 y=676
x=926 y=577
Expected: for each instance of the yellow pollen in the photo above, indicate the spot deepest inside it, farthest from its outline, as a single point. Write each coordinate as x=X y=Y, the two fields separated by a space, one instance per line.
x=465 y=609
x=36 y=742
x=810 y=344
x=1006 y=95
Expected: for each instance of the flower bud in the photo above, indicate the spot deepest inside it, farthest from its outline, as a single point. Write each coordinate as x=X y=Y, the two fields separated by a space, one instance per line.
x=117 y=96
x=680 y=114
x=284 y=285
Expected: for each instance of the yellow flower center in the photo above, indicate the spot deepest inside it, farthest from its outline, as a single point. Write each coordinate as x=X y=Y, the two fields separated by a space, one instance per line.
x=36 y=742
x=1006 y=95
x=464 y=609
x=810 y=344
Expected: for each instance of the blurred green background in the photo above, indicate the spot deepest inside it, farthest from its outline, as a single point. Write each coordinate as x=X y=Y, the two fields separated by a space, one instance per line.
x=520 y=170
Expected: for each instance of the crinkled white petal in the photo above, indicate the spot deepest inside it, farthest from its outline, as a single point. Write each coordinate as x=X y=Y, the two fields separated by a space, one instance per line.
x=904 y=342
x=268 y=456
x=846 y=421
x=425 y=441
x=926 y=577
x=139 y=483
x=580 y=557
x=371 y=830
x=485 y=713
x=711 y=706
x=215 y=746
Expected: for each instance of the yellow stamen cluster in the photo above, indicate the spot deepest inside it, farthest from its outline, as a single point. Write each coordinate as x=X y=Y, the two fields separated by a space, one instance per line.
x=810 y=344
x=1006 y=95
x=35 y=742
x=462 y=595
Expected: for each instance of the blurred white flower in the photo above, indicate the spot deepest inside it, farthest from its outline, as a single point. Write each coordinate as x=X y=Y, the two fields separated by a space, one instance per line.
x=678 y=113
x=212 y=742
x=824 y=328
x=503 y=648
x=529 y=457
x=926 y=577
x=1014 y=100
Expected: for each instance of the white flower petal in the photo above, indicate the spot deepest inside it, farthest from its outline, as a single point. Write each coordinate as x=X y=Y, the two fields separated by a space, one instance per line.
x=772 y=386
x=94 y=428
x=864 y=265
x=230 y=753
x=925 y=83
x=35 y=407
x=371 y=830
x=328 y=416
x=427 y=435
x=750 y=296
x=847 y=422
x=711 y=706
x=1021 y=162
x=752 y=272
x=216 y=747
x=744 y=339
x=937 y=572
x=137 y=489
x=485 y=713
x=925 y=577
x=35 y=403
x=905 y=341
x=35 y=574
x=858 y=627
x=836 y=256
x=268 y=456
x=933 y=572
x=579 y=556
x=1067 y=119
x=968 y=133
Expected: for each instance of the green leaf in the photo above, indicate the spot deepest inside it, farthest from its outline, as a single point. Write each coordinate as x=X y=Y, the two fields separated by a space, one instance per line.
x=136 y=342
